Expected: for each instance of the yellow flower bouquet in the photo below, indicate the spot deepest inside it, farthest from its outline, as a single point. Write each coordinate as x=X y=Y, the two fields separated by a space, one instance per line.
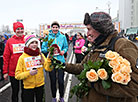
x=114 y=68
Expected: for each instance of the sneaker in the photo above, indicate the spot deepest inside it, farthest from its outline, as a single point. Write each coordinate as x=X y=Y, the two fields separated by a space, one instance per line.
x=54 y=100
x=61 y=99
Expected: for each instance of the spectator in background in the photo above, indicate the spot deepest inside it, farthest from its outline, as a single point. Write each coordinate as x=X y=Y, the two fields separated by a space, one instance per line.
x=13 y=50
x=79 y=43
x=4 y=38
x=74 y=39
x=67 y=37
x=2 y=45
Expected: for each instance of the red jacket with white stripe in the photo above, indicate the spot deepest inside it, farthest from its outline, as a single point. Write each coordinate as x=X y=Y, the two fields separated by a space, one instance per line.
x=11 y=56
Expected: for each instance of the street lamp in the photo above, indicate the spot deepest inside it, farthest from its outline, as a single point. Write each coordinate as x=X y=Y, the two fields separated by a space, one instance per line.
x=109 y=3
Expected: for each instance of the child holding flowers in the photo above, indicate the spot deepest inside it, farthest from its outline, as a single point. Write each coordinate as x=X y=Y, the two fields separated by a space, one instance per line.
x=30 y=69
x=104 y=75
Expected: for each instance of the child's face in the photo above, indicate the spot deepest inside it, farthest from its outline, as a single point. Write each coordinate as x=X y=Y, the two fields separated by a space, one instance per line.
x=33 y=45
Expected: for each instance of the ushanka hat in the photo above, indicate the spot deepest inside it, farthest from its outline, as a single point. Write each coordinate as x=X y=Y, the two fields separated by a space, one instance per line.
x=17 y=25
x=30 y=38
x=101 y=22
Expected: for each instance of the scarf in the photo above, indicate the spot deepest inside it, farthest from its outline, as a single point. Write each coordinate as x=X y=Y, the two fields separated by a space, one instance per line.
x=31 y=52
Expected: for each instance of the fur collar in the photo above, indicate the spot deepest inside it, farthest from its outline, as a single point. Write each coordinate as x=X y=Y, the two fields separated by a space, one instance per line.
x=31 y=52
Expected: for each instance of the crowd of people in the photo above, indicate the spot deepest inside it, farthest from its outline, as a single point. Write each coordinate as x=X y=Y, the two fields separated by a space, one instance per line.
x=23 y=58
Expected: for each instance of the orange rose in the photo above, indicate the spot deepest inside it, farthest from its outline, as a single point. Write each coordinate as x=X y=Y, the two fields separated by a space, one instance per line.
x=111 y=55
x=102 y=74
x=127 y=78
x=126 y=62
x=113 y=63
x=92 y=75
x=126 y=69
x=119 y=59
x=117 y=77
x=117 y=68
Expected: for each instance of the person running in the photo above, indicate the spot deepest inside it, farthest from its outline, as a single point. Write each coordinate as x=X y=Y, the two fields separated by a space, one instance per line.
x=30 y=69
x=61 y=41
x=13 y=50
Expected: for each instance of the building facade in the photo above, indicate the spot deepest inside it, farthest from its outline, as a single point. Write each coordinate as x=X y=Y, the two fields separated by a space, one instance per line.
x=128 y=13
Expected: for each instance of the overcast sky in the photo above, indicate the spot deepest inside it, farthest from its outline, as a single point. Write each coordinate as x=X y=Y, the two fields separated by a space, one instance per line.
x=35 y=12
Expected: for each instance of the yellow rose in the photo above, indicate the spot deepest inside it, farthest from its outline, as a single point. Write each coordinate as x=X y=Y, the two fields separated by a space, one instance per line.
x=137 y=38
x=102 y=74
x=92 y=75
x=117 y=77
x=110 y=55
x=127 y=78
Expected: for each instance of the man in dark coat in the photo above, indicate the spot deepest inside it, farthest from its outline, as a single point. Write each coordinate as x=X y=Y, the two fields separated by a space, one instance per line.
x=100 y=33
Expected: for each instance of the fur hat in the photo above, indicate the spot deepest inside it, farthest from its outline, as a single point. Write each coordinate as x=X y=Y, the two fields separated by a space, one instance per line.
x=30 y=38
x=101 y=22
x=55 y=23
x=17 y=25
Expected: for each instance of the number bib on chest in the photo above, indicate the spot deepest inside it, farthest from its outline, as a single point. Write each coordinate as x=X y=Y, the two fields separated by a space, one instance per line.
x=33 y=62
x=18 y=48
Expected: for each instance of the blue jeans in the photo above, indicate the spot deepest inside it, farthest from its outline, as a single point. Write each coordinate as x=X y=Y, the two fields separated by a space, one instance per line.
x=53 y=80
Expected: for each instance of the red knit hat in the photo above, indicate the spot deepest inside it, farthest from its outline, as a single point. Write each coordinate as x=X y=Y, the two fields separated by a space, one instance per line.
x=17 y=25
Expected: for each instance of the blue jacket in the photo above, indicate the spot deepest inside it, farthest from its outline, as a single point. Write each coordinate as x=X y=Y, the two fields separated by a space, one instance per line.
x=60 y=40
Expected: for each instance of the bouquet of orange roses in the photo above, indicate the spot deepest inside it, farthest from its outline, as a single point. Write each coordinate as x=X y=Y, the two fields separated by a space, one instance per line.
x=114 y=68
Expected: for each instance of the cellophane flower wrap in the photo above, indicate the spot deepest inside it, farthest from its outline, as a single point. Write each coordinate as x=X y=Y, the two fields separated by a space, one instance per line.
x=114 y=68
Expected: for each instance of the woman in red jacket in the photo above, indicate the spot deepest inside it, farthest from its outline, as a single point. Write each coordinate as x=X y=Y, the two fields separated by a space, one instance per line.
x=13 y=50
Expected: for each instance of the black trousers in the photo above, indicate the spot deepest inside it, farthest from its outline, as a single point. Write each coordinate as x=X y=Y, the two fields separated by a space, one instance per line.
x=79 y=57
x=30 y=94
x=53 y=80
x=1 y=67
x=15 y=85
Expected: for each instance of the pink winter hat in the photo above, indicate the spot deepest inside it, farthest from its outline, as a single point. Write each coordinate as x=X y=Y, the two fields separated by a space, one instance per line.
x=30 y=38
